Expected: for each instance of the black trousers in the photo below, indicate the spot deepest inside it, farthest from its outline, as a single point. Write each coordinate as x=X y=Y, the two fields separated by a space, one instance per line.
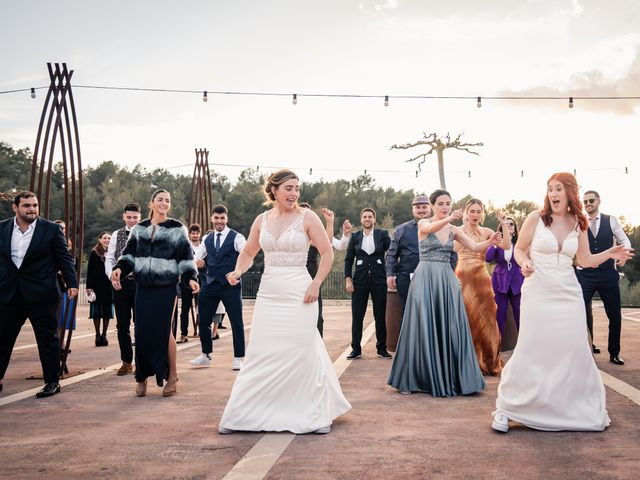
x=44 y=323
x=208 y=299
x=186 y=301
x=607 y=284
x=359 y=300
x=124 y=302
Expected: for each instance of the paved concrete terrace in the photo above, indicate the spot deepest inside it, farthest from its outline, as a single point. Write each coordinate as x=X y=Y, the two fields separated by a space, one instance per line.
x=97 y=428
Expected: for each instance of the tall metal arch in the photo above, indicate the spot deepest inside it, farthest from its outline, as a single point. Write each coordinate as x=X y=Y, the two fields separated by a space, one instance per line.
x=59 y=128
x=201 y=201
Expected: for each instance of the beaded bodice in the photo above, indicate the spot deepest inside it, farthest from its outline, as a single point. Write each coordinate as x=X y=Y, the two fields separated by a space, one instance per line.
x=290 y=248
x=431 y=250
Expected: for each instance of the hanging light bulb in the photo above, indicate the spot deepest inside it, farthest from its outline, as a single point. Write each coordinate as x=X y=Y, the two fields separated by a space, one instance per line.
x=570 y=102
x=295 y=99
x=258 y=168
x=365 y=171
x=33 y=93
x=204 y=96
x=311 y=171
x=521 y=173
x=575 y=174
x=386 y=100
x=469 y=174
x=416 y=173
x=479 y=102
x=626 y=170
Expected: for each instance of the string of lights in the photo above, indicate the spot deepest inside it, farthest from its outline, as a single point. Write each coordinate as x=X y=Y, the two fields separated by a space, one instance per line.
x=385 y=98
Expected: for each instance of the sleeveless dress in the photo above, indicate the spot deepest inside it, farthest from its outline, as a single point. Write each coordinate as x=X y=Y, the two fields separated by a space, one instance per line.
x=435 y=352
x=481 y=307
x=551 y=381
x=287 y=381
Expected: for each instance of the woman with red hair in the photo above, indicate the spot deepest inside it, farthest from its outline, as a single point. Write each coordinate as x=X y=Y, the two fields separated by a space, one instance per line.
x=551 y=381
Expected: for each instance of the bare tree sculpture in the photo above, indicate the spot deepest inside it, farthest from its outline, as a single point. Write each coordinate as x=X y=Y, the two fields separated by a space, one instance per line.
x=439 y=146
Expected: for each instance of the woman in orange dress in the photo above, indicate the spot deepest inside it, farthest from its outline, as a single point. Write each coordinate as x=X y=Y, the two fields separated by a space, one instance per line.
x=477 y=291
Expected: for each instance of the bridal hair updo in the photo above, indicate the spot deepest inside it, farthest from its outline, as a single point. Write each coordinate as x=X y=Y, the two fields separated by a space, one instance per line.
x=274 y=181
x=570 y=184
x=437 y=193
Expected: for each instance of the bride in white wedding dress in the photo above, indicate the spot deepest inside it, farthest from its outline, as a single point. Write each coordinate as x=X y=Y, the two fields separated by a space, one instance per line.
x=551 y=381
x=287 y=381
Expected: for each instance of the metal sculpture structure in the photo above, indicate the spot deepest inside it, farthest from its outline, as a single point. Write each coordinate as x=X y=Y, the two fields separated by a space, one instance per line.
x=200 y=202
x=58 y=132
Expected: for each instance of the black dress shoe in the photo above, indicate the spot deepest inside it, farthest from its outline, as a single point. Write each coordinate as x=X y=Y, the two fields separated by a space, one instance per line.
x=384 y=354
x=48 y=390
x=616 y=359
x=221 y=326
x=595 y=349
x=354 y=355
x=217 y=337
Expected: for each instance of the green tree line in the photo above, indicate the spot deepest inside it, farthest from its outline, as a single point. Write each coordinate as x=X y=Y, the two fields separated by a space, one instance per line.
x=109 y=186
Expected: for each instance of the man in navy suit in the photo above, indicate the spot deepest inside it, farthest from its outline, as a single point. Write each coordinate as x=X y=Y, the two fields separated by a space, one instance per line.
x=219 y=252
x=32 y=251
x=403 y=255
x=367 y=247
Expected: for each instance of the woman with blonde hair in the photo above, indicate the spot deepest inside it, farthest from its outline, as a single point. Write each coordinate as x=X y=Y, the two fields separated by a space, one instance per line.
x=287 y=382
x=476 y=287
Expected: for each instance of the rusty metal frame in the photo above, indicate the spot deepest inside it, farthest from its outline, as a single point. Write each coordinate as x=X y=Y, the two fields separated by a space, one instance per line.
x=200 y=201
x=59 y=114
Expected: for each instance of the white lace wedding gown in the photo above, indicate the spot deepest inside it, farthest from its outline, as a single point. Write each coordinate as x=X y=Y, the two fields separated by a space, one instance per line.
x=551 y=381
x=287 y=382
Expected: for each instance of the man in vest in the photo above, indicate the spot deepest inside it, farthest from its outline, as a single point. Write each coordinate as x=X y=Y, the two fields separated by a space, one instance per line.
x=367 y=247
x=124 y=299
x=220 y=250
x=603 y=279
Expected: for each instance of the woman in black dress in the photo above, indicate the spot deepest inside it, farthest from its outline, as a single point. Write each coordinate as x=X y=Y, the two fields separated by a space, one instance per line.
x=101 y=308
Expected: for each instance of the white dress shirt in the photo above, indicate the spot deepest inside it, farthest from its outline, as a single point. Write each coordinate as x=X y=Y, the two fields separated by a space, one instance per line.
x=616 y=228
x=341 y=244
x=20 y=241
x=110 y=259
x=238 y=243
x=368 y=243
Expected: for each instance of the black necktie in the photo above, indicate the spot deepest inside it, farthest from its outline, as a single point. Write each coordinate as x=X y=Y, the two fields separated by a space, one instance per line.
x=218 y=235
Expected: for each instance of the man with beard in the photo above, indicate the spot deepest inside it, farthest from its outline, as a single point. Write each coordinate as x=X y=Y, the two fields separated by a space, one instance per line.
x=604 y=279
x=367 y=247
x=32 y=251
x=403 y=254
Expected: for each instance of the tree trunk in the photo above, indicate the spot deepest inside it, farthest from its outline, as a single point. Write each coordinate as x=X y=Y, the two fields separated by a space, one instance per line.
x=440 y=151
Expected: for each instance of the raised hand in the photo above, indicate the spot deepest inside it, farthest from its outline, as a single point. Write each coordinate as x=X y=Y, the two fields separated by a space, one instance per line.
x=502 y=217
x=456 y=215
x=620 y=254
x=496 y=239
x=346 y=227
x=328 y=214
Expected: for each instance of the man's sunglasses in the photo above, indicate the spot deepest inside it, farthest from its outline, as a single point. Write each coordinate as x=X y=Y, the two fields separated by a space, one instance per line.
x=588 y=201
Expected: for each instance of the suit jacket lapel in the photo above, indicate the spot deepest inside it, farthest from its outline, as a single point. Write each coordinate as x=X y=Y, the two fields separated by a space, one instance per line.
x=8 y=233
x=37 y=236
x=359 y=239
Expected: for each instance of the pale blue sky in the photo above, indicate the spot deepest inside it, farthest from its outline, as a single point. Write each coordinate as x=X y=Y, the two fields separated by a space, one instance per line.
x=378 y=47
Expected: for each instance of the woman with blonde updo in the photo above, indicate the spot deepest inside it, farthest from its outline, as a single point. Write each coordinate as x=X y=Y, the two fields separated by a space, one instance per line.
x=476 y=288
x=287 y=382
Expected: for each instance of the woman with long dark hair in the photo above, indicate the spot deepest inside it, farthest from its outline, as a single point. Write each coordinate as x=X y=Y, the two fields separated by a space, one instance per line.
x=159 y=254
x=99 y=287
x=435 y=352
x=551 y=381
x=506 y=278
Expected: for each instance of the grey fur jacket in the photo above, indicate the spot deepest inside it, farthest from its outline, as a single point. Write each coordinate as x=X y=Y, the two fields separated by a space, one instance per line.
x=159 y=259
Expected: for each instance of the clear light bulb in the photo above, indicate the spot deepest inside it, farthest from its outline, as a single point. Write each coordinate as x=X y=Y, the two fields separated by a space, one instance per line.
x=386 y=100
x=33 y=93
x=295 y=99
x=479 y=102
x=204 y=96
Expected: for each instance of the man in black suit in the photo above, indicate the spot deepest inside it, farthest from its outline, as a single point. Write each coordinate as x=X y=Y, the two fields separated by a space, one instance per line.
x=32 y=251
x=367 y=247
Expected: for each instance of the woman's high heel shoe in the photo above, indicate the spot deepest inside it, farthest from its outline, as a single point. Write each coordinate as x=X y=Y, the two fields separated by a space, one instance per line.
x=141 y=388
x=170 y=388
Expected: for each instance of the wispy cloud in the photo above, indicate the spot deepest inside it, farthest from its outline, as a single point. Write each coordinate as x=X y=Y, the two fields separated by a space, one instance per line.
x=595 y=83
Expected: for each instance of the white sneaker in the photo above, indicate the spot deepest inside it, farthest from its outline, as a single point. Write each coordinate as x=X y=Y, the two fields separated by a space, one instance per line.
x=500 y=423
x=202 y=360
x=322 y=430
x=237 y=363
